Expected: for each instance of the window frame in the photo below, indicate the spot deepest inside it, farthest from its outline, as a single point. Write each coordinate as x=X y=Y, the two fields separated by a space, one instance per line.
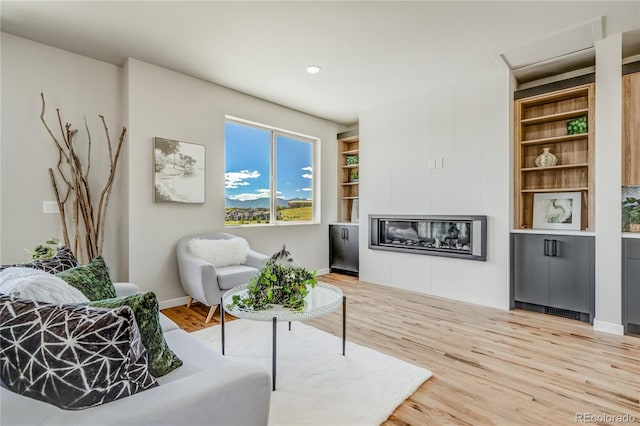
x=273 y=178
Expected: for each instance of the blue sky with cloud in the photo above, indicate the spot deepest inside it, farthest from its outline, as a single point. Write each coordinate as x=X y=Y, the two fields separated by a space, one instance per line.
x=247 y=166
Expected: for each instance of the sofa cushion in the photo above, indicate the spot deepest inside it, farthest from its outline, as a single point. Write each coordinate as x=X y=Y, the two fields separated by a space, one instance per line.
x=145 y=307
x=71 y=356
x=91 y=279
x=220 y=252
x=61 y=261
x=232 y=276
x=34 y=284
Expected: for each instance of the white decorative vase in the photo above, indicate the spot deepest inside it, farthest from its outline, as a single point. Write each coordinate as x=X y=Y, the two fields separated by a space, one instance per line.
x=546 y=159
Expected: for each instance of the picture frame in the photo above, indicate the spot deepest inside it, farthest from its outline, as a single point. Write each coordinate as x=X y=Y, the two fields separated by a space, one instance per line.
x=179 y=171
x=557 y=210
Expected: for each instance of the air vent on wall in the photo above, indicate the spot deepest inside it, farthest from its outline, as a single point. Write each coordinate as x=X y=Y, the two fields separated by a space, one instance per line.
x=566 y=51
x=564 y=313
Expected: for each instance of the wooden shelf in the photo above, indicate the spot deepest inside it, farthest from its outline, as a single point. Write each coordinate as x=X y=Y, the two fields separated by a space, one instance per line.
x=555 y=117
x=531 y=191
x=631 y=129
x=348 y=191
x=557 y=139
x=562 y=166
x=541 y=120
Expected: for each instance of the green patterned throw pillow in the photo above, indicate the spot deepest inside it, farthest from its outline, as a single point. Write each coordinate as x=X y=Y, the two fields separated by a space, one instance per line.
x=91 y=279
x=145 y=307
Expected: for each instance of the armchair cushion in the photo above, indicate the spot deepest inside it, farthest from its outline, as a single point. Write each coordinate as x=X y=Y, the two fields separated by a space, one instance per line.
x=221 y=252
x=231 y=276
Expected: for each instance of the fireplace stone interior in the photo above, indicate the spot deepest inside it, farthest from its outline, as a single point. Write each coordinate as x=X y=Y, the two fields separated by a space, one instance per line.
x=451 y=236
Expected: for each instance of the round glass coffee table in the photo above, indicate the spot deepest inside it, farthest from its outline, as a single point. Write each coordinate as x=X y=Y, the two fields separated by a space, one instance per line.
x=321 y=300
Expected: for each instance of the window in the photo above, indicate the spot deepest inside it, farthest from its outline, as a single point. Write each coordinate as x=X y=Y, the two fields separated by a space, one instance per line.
x=269 y=175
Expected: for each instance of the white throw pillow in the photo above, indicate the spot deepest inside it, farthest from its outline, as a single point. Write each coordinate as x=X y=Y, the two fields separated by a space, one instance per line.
x=220 y=252
x=33 y=284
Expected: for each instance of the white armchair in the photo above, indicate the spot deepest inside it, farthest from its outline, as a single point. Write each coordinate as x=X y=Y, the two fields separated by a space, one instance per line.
x=204 y=282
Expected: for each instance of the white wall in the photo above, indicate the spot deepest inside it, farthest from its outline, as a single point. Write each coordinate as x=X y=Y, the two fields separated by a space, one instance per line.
x=608 y=182
x=150 y=101
x=167 y=104
x=467 y=124
x=80 y=87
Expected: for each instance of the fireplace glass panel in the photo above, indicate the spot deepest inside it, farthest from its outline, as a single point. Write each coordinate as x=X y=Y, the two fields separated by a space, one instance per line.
x=451 y=236
x=434 y=235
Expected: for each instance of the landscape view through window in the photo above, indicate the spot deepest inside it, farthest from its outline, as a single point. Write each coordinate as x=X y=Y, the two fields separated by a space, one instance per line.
x=262 y=165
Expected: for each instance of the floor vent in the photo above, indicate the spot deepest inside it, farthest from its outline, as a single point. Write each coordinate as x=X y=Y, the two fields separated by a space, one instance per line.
x=565 y=313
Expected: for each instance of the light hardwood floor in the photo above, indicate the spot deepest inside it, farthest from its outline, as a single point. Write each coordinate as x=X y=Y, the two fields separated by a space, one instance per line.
x=489 y=366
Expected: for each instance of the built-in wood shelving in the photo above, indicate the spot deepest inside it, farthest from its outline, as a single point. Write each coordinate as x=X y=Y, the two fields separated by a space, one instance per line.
x=541 y=122
x=348 y=187
x=631 y=129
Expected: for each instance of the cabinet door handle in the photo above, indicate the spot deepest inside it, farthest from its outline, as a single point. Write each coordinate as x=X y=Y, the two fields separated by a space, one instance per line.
x=546 y=247
x=346 y=233
x=554 y=247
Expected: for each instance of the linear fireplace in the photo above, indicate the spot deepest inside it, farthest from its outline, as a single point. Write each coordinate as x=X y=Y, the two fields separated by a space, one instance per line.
x=451 y=236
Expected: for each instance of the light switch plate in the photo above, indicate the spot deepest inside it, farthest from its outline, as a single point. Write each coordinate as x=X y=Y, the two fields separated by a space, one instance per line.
x=50 y=207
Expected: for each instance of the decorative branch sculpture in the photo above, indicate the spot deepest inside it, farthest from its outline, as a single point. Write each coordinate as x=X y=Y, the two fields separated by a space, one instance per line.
x=70 y=183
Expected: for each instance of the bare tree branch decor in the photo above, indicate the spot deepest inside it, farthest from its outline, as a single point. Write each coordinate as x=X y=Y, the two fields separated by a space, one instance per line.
x=82 y=224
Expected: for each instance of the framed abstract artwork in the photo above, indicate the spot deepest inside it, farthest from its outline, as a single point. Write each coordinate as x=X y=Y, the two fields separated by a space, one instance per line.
x=179 y=173
x=557 y=210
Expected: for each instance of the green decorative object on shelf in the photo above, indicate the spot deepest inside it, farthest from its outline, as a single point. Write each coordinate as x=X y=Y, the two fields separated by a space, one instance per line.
x=577 y=126
x=352 y=160
x=631 y=214
x=354 y=176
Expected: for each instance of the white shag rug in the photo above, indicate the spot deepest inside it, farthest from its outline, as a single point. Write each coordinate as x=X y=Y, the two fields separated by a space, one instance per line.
x=315 y=384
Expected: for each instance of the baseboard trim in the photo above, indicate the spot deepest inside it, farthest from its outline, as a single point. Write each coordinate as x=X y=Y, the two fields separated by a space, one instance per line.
x=608 y=327
x=322 y=271
x=164 y=304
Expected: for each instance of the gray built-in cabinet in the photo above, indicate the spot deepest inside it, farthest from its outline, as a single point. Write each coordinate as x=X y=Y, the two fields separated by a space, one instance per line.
x=631 y=285
x=343 y=249
x=554 y=274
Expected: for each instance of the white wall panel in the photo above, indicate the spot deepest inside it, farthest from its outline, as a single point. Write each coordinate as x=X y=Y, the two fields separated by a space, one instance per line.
x=469 y=131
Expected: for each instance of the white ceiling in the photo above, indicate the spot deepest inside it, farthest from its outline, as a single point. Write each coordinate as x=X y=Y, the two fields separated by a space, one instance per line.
x=371 y=53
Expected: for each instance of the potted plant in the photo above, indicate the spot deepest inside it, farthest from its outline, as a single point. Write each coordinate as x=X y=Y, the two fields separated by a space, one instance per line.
x=276 y=284
x=46 y=250
x=353 y=176
x=631 y=214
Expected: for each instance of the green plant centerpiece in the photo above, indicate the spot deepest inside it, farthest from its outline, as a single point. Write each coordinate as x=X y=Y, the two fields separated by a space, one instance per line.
x=278 y=283
x=631 y=214
x=46 y=250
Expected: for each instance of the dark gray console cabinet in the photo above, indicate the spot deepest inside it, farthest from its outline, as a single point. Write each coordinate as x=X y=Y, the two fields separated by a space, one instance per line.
x=343 y=249
x=631 y=285
x=554 y=274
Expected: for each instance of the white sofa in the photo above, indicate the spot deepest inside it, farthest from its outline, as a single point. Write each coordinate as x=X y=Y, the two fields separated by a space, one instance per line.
x=208 y=389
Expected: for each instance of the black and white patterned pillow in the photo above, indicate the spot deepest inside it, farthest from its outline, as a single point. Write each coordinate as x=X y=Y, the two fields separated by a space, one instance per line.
x=61 y=261
x=71 y=356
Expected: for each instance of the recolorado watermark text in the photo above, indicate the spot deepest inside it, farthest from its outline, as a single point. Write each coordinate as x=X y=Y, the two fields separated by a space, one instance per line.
x=605 y=418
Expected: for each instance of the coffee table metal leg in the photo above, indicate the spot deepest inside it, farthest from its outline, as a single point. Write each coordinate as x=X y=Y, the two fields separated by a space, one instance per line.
x=344 y=323
x=222 y=323
x=273 y=359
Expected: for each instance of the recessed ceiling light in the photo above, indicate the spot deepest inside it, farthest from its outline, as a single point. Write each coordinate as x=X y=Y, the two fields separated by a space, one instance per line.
x=313 y=69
